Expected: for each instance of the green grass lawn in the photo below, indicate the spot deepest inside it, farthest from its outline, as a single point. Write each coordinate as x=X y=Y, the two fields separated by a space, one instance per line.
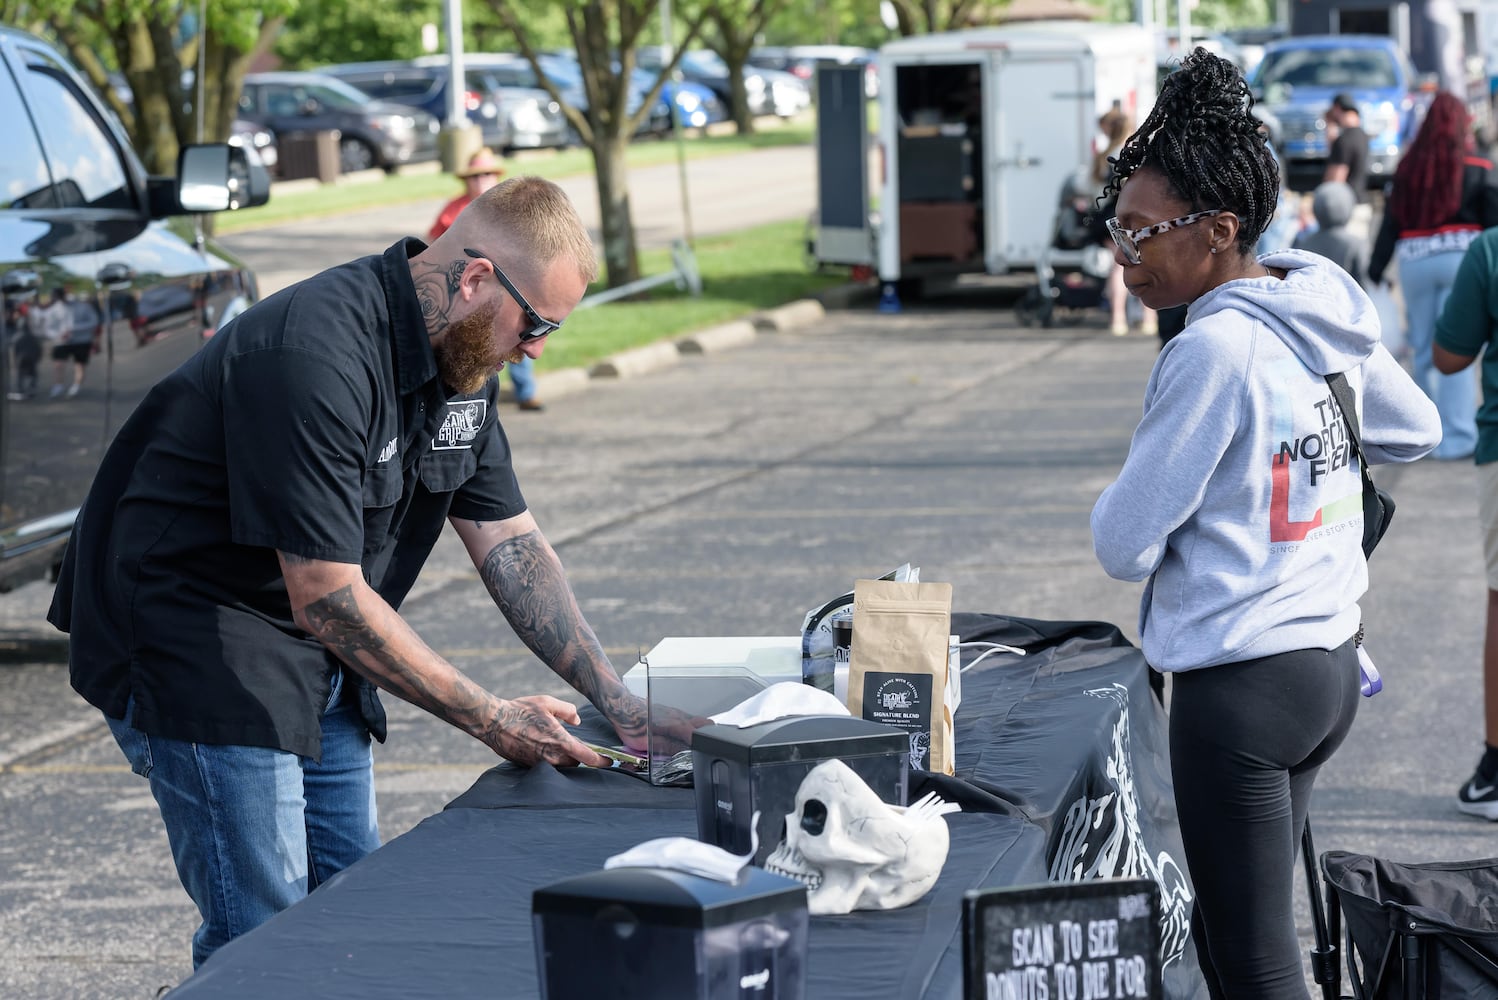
x=333 y=199
x=742 y=273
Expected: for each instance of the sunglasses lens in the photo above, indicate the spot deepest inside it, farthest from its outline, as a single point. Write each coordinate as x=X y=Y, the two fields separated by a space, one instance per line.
x=540 y=328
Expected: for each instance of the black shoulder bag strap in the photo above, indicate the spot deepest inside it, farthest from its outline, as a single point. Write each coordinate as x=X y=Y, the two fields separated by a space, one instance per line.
x=1378 y=506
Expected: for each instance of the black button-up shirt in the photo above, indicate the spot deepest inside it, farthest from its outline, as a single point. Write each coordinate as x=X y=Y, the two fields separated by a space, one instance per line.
x=314 y=423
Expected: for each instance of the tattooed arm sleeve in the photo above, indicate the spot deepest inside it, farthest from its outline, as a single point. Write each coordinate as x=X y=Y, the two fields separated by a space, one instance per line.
x=526 y=580
x=333 y=603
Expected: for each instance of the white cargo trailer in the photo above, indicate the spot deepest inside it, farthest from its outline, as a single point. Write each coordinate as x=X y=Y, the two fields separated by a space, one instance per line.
x=978 y=130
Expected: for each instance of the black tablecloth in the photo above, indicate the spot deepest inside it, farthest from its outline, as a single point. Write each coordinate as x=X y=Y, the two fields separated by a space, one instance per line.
x=1062 y=771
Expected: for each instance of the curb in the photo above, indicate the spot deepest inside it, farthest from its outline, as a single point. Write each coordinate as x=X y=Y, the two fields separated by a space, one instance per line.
x=718 y=338
x=637 y=361
x=665 y=353
x=802 y=312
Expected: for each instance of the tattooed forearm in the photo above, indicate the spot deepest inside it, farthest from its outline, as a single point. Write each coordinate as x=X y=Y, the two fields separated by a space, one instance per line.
x=525 y=579
x=337 y=621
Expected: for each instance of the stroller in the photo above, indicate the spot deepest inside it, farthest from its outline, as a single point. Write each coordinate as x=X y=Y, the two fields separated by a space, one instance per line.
x=1072 y=272
x=1418 y=931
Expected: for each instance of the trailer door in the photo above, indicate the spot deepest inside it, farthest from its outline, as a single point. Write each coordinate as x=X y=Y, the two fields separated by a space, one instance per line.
x=1040 y=110
x=842 y=230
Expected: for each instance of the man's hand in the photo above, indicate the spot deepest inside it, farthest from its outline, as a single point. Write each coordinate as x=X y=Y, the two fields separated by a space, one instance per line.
x=670 y=728
x=527 y=731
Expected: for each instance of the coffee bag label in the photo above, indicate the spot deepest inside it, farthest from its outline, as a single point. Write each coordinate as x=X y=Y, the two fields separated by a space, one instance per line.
x=904 y=702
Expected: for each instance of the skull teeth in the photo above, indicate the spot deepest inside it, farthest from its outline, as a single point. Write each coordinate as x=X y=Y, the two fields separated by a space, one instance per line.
x=788 y=861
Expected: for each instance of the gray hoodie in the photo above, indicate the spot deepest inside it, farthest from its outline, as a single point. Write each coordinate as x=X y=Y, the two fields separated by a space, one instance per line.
x=1333 y=204
x=1240 y=499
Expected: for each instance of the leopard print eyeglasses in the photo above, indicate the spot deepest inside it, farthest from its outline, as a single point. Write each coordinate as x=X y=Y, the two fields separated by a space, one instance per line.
x=1127 y=240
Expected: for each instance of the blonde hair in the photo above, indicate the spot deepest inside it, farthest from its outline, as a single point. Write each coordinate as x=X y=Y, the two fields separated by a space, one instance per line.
x=1117 y=126
x=529 y=222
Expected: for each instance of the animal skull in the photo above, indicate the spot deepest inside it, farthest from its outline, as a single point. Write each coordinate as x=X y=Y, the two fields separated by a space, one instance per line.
x=856 y=852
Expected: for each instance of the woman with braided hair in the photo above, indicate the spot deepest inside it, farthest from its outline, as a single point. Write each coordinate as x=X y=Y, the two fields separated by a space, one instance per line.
x=1240 y=504
x=1441 y=199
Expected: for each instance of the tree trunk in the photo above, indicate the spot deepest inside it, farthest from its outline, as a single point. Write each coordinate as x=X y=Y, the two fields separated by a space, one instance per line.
x=620 y=257
x=743 y=118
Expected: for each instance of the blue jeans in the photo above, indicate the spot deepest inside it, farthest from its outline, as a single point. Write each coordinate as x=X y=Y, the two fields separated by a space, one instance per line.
x=1426 y=282
x=253 y=830
x=524 y=378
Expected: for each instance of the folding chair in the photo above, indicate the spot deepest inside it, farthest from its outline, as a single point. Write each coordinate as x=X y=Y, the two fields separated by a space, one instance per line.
x=1413 y=931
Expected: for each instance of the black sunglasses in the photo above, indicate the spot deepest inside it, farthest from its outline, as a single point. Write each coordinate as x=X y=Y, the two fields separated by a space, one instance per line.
x=540 y=325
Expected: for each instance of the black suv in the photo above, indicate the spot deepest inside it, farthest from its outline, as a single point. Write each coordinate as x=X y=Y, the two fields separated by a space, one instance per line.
x=372 y=133
x=99 y=297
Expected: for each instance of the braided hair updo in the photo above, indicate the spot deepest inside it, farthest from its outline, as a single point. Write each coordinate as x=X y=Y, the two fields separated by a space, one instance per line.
x=1211 y=150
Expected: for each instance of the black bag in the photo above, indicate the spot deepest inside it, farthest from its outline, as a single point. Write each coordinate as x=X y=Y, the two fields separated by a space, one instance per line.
x=1378 y=506
x=1416 y=930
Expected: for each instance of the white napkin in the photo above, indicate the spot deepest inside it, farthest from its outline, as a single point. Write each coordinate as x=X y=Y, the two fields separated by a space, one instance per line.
x=683 y=854
x=779 y=701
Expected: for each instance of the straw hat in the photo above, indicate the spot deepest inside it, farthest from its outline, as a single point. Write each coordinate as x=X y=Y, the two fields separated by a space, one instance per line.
x=483 y=162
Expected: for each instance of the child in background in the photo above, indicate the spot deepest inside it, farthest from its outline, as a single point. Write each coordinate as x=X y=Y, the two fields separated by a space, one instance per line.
x=1332 y=204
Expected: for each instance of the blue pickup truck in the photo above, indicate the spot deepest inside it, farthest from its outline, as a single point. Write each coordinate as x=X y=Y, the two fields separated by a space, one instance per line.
x=1298 y=77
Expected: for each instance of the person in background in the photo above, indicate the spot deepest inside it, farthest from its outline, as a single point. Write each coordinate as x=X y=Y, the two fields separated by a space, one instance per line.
x=1116 y=127
x=1333 y=203
x=56 y=319
x=232 y=585
x=26 y=348
x=1284 y=224
x=1468 y=329
x=85 y=335
x=482 y=171
x=1347 y=159
x=1249 y=539
x=1441 y=198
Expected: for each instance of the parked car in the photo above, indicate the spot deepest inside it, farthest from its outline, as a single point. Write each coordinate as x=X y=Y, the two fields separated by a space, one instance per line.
x=1298 y=77
x=260 y=140
x=801 y=61
x=423 y=85
x=371 y=133
x=769 y=91
x=696 y=106
x=533 y=119
x=78 y=212
x=563 y=71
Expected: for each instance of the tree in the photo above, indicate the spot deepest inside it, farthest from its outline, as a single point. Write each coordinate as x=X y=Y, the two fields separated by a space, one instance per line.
x=738 y=24
x=322 y=32
x=922 y=17
x=832 y=22
x=605 y=34
x=154 y=44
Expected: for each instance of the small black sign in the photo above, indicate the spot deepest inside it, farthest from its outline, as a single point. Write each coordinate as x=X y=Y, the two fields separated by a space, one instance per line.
x=1063 y=941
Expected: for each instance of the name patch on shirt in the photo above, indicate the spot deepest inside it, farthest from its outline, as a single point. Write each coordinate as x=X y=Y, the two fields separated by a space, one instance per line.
x=461 y=424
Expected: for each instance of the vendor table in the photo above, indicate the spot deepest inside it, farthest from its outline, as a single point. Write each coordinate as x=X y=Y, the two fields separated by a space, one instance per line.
x=1062 y=773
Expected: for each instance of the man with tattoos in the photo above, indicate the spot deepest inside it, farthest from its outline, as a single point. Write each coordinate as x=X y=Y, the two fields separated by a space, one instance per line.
x=232 y=584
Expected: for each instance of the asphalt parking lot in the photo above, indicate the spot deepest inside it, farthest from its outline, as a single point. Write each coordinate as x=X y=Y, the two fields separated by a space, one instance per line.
x=726 y=495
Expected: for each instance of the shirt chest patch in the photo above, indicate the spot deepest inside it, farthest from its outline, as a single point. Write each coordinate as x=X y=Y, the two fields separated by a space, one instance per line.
x=460 y=424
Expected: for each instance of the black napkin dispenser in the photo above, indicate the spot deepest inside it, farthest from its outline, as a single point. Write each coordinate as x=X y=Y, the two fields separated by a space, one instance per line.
x=645 y=933
x=738 y=771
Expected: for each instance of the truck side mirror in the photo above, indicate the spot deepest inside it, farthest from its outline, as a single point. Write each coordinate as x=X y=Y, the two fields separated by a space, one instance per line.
x=213 y=177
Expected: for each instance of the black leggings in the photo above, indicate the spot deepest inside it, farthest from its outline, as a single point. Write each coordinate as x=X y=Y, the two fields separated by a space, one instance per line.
x=1246 y=741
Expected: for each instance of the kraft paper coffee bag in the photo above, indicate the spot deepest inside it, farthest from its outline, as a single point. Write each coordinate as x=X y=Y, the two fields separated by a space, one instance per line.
x=897 y=672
